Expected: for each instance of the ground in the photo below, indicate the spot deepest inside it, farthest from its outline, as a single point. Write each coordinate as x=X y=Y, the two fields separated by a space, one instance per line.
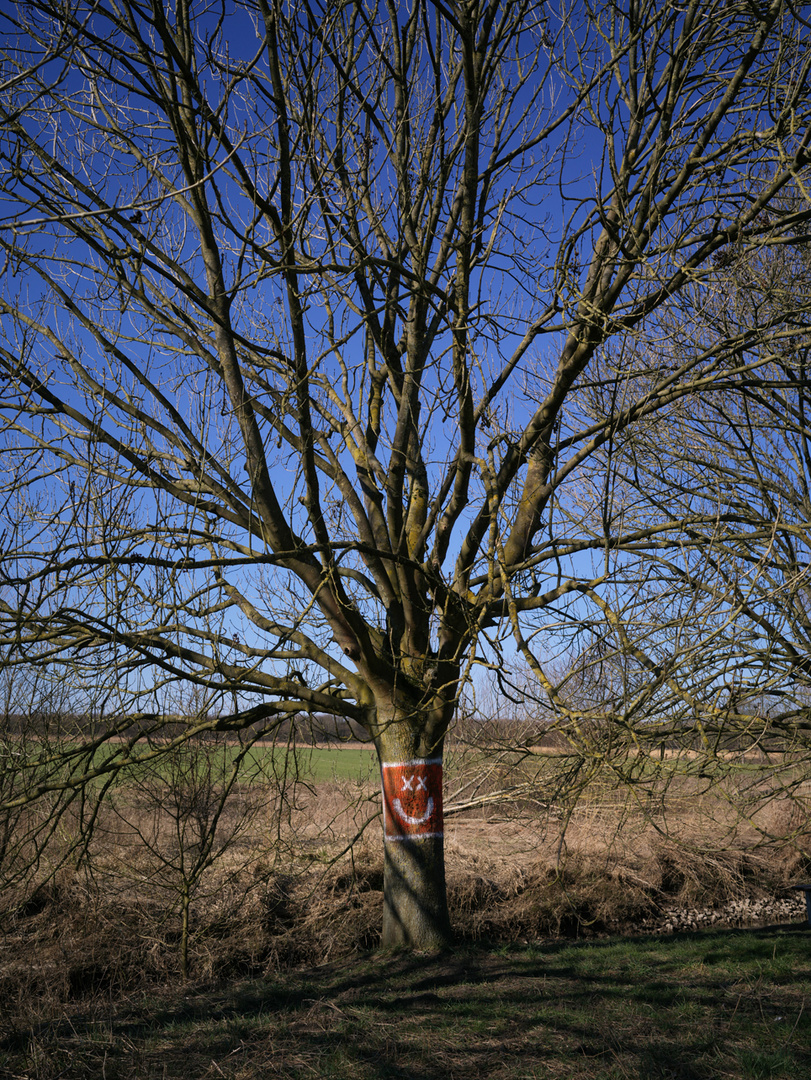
x=714 y=1004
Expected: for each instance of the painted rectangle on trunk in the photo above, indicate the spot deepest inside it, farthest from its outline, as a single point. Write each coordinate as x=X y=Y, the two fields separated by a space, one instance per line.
x=412 y=799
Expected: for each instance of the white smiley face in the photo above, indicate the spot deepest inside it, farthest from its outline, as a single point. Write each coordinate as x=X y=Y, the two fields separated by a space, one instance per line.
x=413 y=783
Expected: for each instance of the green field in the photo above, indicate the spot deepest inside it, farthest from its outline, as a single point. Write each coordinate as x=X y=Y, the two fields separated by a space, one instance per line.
x=320 y=763
x=265 y=762
x=261 y=761
x=90 y=978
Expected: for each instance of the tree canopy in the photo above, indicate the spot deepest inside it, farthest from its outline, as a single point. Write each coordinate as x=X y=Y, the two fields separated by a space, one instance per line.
x=321 y=322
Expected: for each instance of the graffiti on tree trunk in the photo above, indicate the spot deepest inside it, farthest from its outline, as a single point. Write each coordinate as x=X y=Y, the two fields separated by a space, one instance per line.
x=412 y=799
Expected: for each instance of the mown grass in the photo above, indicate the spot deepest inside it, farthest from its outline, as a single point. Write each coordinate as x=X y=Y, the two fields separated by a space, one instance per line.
x=313 y=764
x=261 y=761
x=715 y=1004
x=321 y=763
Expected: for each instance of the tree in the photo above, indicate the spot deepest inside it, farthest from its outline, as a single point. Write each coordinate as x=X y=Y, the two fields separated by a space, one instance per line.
x=733 y=645
x=302 y=303
x=182 y=824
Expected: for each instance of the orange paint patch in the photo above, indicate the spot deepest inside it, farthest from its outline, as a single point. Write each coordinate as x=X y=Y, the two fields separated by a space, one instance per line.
x=412 y=799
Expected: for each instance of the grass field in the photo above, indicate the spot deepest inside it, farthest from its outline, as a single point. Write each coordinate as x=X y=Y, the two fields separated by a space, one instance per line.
x=263 y=761
x=321 y=763
x=311 y=763
x=720 y=1004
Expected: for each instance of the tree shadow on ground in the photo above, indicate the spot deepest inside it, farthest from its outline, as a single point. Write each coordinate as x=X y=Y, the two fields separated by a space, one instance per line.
x=686 y=1006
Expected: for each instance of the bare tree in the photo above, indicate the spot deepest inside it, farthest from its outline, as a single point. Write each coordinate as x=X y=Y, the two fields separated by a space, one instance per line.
x=732 y=640
x=301 y=304
x=189 y=813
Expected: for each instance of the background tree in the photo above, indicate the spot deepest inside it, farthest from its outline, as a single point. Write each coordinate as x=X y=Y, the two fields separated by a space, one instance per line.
x=189 y=813
x=301 y=304
x=730 y=641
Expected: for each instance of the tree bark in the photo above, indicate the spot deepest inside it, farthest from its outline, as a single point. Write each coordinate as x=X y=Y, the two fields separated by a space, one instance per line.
x=415 y=903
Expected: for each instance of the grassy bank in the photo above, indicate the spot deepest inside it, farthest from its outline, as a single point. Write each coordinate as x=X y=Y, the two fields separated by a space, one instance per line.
x=718 y=1004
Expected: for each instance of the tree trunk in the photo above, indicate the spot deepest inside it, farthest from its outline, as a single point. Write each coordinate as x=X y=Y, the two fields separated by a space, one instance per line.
x=415 y=905
x=185 y=903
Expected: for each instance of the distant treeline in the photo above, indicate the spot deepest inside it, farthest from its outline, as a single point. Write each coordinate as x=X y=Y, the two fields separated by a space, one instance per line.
x=300 y=728
x=492 y=733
